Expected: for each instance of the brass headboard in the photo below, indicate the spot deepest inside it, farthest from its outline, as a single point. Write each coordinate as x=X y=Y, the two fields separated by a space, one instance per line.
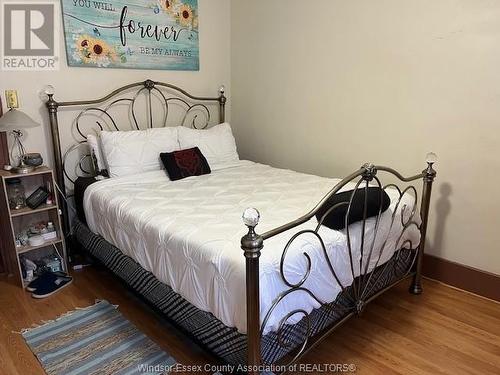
x=121 y=110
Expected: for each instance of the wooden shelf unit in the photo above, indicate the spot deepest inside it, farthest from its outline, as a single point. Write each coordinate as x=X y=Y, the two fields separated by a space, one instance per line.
x=13 y=221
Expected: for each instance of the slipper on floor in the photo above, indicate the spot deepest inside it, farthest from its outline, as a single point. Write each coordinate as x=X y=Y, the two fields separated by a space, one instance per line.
x=52 y=286
x=44 y=278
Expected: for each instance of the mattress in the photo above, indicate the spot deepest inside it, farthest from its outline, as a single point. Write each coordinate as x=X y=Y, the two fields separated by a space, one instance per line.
x=187 y=233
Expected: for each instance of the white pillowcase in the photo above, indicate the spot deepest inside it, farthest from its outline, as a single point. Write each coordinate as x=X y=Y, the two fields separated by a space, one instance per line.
x=94 y=143
x=217 y=144
x=136 y=151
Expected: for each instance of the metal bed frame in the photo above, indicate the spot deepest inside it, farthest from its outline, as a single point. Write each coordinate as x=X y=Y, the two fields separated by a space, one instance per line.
x=197 y=114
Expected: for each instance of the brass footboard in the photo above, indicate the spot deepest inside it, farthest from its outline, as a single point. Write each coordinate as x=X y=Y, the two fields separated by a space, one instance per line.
x=361 y=291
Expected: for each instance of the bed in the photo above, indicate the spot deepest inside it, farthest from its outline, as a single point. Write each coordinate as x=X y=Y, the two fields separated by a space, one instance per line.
x=258 y=301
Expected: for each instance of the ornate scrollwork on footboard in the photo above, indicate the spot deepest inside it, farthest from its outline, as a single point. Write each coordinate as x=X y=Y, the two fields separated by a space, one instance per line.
x=383 y=252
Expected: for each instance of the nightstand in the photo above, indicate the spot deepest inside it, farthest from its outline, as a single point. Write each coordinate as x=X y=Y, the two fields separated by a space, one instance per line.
x=14 y=221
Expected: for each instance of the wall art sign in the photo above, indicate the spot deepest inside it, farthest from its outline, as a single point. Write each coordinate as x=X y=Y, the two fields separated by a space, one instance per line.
x=134 y=34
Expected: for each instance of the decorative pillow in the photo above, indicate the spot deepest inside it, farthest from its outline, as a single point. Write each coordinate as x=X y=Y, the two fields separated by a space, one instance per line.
x=336 y=218
x=217 y=143
x=94 y=143
x=185 y=163
x=130 y=152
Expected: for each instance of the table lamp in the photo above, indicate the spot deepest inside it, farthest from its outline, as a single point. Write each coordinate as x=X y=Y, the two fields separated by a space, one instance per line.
x=13 y=121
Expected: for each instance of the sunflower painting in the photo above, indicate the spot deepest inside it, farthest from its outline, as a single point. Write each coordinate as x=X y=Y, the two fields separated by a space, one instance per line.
x=168 y=5
x=96 y=51
x=186 y=15
x=182 y=12
x=133 y=34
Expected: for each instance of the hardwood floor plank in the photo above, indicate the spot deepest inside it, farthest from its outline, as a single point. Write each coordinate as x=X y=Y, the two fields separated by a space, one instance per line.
x=443 y=331
x=423 y=343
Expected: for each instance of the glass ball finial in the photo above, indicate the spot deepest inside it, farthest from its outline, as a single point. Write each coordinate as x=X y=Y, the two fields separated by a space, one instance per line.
x=49 y=90
x=222 y=89
x=251 y=217
x=431 y=158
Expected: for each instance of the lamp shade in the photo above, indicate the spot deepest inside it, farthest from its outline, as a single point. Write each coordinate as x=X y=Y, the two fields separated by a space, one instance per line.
x=15 y=119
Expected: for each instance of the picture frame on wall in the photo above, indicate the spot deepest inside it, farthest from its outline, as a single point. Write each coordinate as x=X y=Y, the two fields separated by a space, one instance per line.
x=132 y=34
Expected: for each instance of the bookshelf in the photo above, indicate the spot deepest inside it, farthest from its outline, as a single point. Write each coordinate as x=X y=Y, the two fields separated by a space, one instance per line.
x=14 y=221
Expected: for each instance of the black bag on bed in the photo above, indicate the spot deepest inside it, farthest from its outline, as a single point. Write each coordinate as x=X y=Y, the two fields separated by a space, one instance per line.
x=336 y=218
x=81 y=184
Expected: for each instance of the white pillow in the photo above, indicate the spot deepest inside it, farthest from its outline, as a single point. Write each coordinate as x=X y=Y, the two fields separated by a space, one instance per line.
x=94 y=143
x=217 y=144
x=130 y=152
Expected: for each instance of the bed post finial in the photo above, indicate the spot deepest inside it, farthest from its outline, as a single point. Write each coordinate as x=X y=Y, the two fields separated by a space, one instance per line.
x=369 y=171
x=429 y=174
x=252 y=244
x=222 y=104
x=149 y=84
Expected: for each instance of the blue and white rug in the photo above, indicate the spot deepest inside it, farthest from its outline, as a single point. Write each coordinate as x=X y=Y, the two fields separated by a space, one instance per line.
x=96 y=340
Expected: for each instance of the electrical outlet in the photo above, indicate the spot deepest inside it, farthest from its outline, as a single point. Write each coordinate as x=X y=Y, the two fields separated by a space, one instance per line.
x=11 y=98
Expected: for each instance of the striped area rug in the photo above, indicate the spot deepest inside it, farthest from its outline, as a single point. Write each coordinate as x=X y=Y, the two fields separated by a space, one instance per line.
x=95 y=340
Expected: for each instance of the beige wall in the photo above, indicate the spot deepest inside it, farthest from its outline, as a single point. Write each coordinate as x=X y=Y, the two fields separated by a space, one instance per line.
x=323 y=86
x=82 y=83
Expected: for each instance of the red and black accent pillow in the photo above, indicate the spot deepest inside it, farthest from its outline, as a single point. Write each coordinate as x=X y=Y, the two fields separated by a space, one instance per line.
x=185 y=163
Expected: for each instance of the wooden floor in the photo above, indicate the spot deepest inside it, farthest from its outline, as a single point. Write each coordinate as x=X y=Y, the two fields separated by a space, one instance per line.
x=443 y=331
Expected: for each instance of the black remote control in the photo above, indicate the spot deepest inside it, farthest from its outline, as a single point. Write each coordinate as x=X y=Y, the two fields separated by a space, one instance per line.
x=38 y=197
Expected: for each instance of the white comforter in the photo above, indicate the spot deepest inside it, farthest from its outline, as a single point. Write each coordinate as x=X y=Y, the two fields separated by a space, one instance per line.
x=187 y=233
